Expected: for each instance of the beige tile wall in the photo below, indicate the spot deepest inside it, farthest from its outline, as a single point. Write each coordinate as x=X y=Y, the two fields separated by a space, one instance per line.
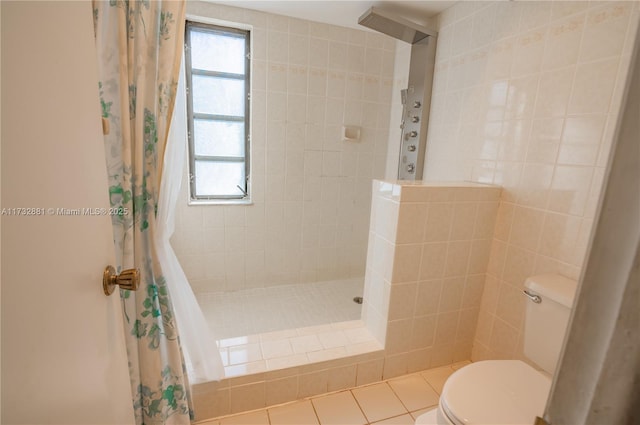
x=429 y=246
x=526 y=96
x=311 y=191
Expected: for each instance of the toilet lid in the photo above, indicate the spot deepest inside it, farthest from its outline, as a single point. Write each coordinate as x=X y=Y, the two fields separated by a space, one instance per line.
x=495 y=392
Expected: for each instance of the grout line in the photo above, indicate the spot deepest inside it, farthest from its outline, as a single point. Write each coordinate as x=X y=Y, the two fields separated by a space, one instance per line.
x=433 y=388
x=398 y=396
x=315 y=412
x=358 y=404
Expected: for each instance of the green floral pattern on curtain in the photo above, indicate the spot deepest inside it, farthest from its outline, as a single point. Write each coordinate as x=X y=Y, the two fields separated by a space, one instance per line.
x=139 y=47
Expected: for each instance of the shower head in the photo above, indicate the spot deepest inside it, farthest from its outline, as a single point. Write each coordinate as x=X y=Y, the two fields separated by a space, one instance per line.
x=394 y=26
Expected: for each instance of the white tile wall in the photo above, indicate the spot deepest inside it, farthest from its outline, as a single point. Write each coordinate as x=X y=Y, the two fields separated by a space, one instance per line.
x=526 y=96
x=401 y=77
x=311 y=191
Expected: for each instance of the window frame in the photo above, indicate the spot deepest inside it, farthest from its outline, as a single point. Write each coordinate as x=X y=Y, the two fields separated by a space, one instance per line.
x=191 y=116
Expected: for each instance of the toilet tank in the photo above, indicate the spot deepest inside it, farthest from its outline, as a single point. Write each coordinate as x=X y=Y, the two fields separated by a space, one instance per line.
x=546 y=322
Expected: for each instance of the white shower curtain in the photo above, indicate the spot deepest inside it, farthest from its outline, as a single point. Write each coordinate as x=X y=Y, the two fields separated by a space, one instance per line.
x=198 y=343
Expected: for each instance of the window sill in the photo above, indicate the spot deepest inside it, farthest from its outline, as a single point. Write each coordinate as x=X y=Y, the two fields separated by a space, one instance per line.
x=202 y=202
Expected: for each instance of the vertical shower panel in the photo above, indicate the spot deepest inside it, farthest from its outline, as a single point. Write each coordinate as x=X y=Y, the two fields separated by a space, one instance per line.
x=417 y=96
x=415 y=119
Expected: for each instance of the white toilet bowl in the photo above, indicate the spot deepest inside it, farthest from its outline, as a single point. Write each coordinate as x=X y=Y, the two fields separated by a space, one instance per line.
x=491 y=392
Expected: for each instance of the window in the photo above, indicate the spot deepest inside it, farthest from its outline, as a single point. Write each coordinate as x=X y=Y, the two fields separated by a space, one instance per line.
x=217 y=65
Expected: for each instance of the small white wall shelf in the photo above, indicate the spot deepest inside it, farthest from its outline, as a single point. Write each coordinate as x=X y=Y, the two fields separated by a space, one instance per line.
x=350 y=133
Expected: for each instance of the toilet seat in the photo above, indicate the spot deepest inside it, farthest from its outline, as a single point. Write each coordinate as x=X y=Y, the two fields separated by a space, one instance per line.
x=495 y=392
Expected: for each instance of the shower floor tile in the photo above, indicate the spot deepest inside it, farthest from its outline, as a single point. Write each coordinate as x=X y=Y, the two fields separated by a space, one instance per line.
x=277 y=308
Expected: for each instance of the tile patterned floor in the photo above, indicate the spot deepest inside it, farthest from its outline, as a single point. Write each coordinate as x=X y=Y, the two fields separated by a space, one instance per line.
x=397 y=401
x=250 y=311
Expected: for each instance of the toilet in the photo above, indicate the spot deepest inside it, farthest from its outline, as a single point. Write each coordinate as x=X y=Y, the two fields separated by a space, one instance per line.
x=511 y=391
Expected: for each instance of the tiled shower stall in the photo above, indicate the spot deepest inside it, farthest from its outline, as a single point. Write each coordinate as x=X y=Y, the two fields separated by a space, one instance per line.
x=311 y=190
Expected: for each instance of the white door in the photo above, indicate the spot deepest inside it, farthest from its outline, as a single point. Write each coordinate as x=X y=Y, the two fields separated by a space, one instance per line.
x=63 y=354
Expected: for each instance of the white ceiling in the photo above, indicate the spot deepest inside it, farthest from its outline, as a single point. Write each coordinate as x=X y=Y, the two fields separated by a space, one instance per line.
x=343 y=13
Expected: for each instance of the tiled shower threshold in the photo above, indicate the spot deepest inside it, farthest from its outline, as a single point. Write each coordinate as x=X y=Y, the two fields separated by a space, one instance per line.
x=271 y=351
x=270 y=367
x=277 y=367
x=272 y=328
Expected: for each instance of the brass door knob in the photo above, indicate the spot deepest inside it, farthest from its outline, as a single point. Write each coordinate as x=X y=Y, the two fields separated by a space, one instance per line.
x=127 y=279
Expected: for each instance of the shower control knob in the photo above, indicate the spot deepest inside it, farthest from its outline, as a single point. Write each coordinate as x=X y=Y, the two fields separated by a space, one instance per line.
x=415 y=118
x=413 y=134
x=411 y=168
x=411 y=148
x=417 y=104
